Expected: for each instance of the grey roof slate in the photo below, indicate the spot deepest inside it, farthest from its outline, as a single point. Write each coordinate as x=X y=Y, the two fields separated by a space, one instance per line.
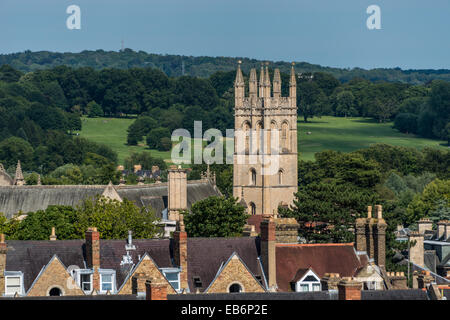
x=14 y=199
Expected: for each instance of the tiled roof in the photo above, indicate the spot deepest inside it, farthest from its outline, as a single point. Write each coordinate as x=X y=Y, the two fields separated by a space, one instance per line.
x=406 y=294
x=205 y=256
x=322 y=258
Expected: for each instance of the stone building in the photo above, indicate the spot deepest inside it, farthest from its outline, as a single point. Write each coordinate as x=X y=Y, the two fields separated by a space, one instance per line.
x=29 y=198
x=263 y=187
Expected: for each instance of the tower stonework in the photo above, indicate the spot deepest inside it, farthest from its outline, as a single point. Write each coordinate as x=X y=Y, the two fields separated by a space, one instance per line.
x=264 y=109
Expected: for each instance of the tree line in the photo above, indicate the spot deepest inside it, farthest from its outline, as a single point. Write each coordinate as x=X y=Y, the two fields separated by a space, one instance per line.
x=177 y=65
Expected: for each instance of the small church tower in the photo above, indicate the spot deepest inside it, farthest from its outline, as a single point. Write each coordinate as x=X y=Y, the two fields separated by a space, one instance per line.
x=258 y=116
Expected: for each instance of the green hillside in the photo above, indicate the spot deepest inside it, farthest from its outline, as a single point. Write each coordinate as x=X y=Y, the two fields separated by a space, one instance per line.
x=341 y=134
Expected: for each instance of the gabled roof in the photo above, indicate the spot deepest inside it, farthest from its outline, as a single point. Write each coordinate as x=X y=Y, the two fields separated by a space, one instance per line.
x=234 y=255
x=322 y=258
x=135 y=267
x=301 y=273
x=206 y=255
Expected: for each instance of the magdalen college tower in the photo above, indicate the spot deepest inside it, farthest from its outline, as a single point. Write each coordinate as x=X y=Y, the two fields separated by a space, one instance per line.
x=265 y=154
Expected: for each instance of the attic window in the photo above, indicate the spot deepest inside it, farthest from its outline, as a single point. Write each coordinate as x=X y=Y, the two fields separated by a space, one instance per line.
x=197 y=282
x=13 y=283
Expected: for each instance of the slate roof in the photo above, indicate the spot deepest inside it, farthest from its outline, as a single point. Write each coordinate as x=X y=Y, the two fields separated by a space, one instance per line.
x=318 y=295
x=31 y=256
x=32 y=198
x=406 y=294
x=205 y=256
x=322 y=258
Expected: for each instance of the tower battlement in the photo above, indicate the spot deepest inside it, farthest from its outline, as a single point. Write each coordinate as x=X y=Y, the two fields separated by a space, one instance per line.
x=263 y=108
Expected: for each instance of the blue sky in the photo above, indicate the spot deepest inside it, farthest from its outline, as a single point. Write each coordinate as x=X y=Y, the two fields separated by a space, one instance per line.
x=414 y=34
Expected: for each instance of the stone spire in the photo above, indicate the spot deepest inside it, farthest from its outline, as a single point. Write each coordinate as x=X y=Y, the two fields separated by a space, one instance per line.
x=267 y=86
x=239 y=87
x=253 y=84
x=293 y=87
x=39 y=183
x=261 y=81
x=239 y=81
x=276 y=83
x=2 y=169
x=18 y=179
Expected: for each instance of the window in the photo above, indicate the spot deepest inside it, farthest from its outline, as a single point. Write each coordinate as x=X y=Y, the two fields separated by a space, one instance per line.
x=252 y=208
x=13 y=284
x=197 y=282
x=280 y=176
x=107 y=282
x=83 y=278
x=304 y=287
x=252 y=177
x=55 y=292
x=309 y=282
x=235 y=287
x=173 y=276
x=85 y=282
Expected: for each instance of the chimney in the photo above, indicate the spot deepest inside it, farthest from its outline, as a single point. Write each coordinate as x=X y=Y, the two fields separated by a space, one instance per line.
x=138 y=284
x=397 y=280
x=379 y=240
x=425 y=225
x=155 y=291
x=424 y=279
x=349 y=289
x=177 y=192
x=416 y=251
x=53 y=235
x=330 y=281
x=93 y=255
x=286 y=230
x=180 y=252
x=268 y=254
x=3 y=250
x=446 y=230
x=440 y=229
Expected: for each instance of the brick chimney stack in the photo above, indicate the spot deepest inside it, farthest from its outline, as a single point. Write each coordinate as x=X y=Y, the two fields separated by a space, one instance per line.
x=268 y=254
x=138 y=283
x=380 y=238
x=371 y=235
x=180 y=252
x=3 y=250
x=93 y=255
x=349 y=289
x=155 y=291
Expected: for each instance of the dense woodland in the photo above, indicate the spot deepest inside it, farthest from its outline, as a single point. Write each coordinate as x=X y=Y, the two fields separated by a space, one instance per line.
x=173 y=65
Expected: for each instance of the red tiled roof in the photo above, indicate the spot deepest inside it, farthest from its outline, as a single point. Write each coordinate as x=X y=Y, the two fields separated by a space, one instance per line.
x=322 y=258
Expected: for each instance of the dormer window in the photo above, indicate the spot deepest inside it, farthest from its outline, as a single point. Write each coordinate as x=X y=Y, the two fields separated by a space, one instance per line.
x=173 y=276
x=13 y=283
x=306 y=281
x=83 y=277
x=107 y=280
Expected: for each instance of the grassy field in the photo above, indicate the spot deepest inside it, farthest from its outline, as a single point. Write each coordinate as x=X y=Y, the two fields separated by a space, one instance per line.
x=341 y=134
x=349 y=134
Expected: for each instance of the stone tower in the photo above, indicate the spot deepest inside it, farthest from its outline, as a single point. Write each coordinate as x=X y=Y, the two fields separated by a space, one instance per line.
x=265 y=108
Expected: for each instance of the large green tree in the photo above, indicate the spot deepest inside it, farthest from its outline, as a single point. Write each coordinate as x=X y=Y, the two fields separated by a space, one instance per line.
x=215 y=217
